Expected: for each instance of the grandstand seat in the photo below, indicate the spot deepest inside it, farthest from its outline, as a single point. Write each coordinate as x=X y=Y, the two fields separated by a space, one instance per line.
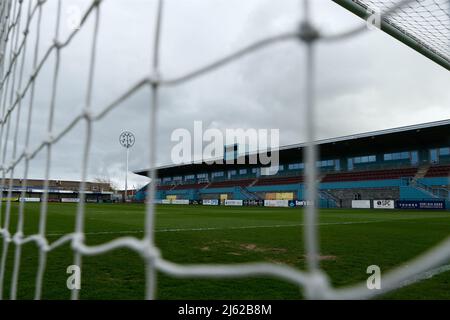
x=164 y=187
x=279 y=180
x=370 y=175
x=231 y=183
x=438 y=171
x=190 y=186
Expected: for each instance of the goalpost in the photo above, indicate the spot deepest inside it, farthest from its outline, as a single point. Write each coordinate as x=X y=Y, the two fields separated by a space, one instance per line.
x=16 y=19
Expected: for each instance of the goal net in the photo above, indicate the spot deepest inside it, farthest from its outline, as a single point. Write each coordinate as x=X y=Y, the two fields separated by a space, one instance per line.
x=424 y=25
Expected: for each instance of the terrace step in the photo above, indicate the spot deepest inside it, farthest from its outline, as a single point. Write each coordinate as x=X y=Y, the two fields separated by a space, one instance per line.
x=207 y=186
x=421 y=172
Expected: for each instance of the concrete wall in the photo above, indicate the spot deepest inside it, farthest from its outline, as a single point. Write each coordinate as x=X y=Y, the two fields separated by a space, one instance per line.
x=347 y=195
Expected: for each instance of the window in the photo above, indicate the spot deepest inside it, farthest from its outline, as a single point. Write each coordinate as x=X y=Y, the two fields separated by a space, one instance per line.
x=189 y=177
x=434 y=156
x=276 y=168
x=444 y=151
x=414 y=157
x=350 y=164
x=296 y=166
x=243 y=171
x=217 y=174
x=167 y=179
x=256 y=171
x=364 y=159
x=337 y=165
x=397 y=156
x=325 y=163
x=280 y=167
x=202 y=176
x=178 y=178
x=231 y=173
x=269 y=171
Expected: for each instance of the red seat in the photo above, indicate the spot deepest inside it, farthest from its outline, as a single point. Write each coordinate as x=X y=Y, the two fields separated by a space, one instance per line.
x=231 y=183
x=190 y=186
x=370 y=175
x=278 y=181
x=438 y=171
x=164 y=187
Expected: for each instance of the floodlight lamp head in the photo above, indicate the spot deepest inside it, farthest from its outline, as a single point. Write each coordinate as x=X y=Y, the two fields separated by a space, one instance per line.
x=127 y=139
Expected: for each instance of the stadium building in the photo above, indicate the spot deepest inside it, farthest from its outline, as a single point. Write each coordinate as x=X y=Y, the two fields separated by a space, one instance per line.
x=58 y=191
x=408 y=164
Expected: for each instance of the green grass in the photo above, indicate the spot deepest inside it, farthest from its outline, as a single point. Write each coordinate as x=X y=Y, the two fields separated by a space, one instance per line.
x=350 y=240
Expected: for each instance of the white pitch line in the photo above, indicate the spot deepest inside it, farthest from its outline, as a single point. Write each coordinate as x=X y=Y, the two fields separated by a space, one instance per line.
x=221 y=228
x=426 y=275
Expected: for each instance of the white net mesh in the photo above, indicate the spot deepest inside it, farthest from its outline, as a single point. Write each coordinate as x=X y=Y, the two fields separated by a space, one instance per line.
x=426 y=21
x=18 y=17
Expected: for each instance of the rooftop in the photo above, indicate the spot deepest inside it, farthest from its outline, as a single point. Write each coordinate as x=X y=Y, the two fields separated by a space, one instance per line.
x=394 y=139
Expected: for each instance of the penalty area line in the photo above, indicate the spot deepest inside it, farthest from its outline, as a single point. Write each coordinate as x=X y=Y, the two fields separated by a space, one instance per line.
x=220 y=228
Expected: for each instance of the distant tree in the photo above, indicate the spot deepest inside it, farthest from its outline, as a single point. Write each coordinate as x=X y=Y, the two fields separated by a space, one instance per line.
x=114 y=186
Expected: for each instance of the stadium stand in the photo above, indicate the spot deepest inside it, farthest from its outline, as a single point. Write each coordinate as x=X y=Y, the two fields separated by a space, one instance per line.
x=408 y=163
x=58 y=190
x=61 y=185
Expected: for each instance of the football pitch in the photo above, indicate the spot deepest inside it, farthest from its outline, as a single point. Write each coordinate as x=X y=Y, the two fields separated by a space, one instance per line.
x=350 y=241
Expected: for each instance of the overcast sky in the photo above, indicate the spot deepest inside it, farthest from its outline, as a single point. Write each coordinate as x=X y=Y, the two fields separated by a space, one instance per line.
x=366 y=83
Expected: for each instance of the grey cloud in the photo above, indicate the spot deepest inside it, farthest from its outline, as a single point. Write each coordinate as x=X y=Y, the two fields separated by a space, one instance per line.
x=366 y=83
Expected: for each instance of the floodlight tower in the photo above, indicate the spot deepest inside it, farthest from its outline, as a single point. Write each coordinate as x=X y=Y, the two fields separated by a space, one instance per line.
x=127 y=140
